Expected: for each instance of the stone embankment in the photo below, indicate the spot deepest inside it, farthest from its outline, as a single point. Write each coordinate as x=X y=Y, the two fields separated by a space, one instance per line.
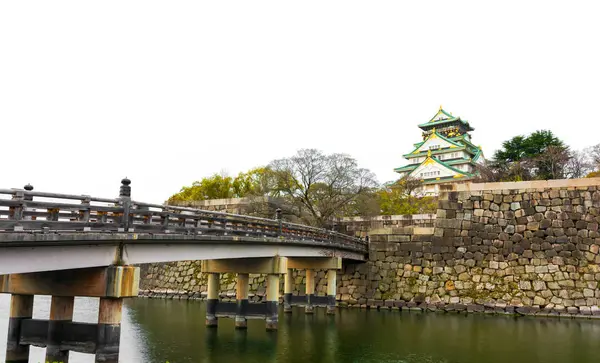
x=526 y=248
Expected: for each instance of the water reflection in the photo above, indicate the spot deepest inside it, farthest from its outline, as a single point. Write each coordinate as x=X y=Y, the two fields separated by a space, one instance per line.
x=161 y=330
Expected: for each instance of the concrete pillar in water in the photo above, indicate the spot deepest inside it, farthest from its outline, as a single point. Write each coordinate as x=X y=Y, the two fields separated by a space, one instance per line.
x=242 y=301
x=272 y=301
x=331 y=290
x=21 y=307
x=61 y=312
x=212 y=299
x=287 y=291
x=109 y=330
x=310 y=290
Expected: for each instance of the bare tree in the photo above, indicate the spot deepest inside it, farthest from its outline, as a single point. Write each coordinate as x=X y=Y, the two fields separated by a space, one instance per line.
x=486 y=173
x=579 y=165
x=553 y=161
x=593 y=153
x=412 y=186
x=319 y=186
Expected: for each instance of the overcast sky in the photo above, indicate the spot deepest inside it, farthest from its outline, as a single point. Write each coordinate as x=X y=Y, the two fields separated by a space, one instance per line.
x=167 y=92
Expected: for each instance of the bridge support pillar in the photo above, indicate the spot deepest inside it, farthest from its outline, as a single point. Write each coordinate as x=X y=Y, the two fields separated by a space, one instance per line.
x=61 y=312
x=242 y=310
x=331 y=291
x=60 y=334
x=310 y=291
x=242 y=301
x=21 y=308
x=109 y=330
x=288 y=287
x=212 y=299
x=272 y=315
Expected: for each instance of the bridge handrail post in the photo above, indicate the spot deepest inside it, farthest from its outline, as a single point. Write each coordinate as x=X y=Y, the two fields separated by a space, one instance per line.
x=279 y=222
x=27 y=198
x=84 y=212
x=334 y=233
x=16 y=212
x=125 y=201
x=164 y=219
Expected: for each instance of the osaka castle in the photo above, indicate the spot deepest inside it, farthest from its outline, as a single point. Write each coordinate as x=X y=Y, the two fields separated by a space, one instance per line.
x=446 y=154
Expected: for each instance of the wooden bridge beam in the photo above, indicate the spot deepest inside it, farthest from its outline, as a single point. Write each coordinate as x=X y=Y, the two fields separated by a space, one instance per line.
x=257 y=265
x=111 y=281
x=315 y=263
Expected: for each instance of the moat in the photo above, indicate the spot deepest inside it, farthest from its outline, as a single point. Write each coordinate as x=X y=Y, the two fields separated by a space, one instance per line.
x=157 y=330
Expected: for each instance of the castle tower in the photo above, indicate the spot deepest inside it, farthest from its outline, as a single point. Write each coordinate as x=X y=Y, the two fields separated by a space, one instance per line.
x=446 y=154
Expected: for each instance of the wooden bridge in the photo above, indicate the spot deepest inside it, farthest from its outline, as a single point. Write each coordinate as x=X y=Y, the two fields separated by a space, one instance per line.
x=76 y=245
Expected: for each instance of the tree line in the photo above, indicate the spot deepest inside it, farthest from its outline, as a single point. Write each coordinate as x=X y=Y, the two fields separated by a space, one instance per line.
x=316 y=188
x=540 y=156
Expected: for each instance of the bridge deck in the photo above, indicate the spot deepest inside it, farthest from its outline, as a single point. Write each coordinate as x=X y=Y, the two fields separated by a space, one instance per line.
x=72 y=231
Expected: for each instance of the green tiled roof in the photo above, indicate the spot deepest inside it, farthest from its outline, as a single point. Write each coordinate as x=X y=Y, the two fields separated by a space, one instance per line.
x=467 y=143
x=450 y=167
x=438 y=135
x=443 y=112
x=459 y=161
x=418 y=144
x=449 y=118
x=478 y=154
x=440 y=151
x=412 y=167
x=446 y=179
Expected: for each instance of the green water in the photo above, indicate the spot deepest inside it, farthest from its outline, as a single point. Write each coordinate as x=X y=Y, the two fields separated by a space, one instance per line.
x=173 y=330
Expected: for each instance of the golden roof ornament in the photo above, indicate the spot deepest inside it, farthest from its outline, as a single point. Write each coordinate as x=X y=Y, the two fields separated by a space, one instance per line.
x=429 y=153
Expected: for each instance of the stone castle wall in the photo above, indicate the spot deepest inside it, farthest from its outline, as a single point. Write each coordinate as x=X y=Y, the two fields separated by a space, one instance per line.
x=362 y=226
x=530 y=247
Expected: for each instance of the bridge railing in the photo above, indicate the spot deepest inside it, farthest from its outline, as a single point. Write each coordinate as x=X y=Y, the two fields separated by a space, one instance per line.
x=30 y=211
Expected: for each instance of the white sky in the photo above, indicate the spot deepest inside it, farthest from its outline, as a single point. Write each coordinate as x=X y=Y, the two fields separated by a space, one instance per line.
x=167 y=92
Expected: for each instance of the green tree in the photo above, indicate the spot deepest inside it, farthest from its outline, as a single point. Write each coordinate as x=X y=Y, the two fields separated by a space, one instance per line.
x=401 y=197
x=252 y=183
x=213 y=187
x=255 y=182
x=540 y=155
x=594 y=174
